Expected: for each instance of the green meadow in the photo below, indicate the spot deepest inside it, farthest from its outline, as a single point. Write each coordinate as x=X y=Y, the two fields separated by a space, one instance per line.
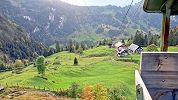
x=98 y=65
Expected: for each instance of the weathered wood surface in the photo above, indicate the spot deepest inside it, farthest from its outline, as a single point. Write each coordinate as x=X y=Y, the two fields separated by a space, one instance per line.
x=159 y=62
x=159 y=71
x=139 y=81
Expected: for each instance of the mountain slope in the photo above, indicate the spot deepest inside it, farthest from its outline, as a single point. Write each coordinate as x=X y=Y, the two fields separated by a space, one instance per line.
x=16 y=43
x=50 y=20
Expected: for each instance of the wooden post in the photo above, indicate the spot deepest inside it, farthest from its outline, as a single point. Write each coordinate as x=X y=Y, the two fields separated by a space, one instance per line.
x=165 y=32
x=165 y=26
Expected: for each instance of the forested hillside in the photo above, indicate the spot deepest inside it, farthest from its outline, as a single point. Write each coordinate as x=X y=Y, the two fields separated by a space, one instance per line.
x=51 y=20
x=16 y=43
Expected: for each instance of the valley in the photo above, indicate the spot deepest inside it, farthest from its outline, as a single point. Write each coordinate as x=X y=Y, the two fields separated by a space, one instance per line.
x=53 y=50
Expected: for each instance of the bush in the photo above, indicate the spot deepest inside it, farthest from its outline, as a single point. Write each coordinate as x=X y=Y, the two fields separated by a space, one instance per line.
x=75 y=61
x=88 y=93
x=57 y=63
x=116 y=93
x=26 y=62
x=100 y=92
x=62 y=92
x=74 y=90
x=18 y=65
x=97 y=92
x=152 y=48
x=79 y=51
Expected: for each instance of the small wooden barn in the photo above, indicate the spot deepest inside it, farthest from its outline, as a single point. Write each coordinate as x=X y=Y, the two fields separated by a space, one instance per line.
x=133 y=48
x=121 y=49
x=120 y=46
x=123 y=52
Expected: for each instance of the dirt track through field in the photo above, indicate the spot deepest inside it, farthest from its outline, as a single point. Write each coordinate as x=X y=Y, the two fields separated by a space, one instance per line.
x=27 y=94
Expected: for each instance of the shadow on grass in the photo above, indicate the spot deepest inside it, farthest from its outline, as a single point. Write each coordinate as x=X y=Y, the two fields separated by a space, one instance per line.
x=128 y=60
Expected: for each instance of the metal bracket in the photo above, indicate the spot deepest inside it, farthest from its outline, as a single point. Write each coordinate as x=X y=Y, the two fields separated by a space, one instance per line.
x=139 y=92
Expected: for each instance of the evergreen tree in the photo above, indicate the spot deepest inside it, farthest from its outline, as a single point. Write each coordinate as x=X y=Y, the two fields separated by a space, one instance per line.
x=139 y=38
x=146 y=40
x=2 y=65
x=149 y=36
x=151 y=41
x=131 y=37
x=71 y=46
x=75 y=61
x=5 y=59
x=104 y=42
x=171 y=39
x=123 y=41
x=176 y=38
x=58 y=46
x=99 y=43
x=77 y=46
x=83 y=46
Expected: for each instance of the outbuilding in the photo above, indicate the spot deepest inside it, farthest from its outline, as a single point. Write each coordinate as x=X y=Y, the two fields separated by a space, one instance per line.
x=133 y=48
x=120 y=46
x=123 y=52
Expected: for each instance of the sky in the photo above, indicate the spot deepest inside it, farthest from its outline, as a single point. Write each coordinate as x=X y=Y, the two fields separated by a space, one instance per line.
x=121 y=3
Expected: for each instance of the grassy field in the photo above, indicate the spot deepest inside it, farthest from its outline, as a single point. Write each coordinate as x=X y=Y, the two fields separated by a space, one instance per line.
x=170 y=49
x=98 y=65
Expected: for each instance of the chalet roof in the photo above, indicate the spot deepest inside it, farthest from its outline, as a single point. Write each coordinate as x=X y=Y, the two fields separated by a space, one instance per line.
x=159 y=6
x=1 y=88
x=118 y=44
x=122 y=50
x=133 y=47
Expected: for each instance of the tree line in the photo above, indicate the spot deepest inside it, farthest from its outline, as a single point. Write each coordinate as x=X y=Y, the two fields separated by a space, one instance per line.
x=78 y=47
x=145 y=39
